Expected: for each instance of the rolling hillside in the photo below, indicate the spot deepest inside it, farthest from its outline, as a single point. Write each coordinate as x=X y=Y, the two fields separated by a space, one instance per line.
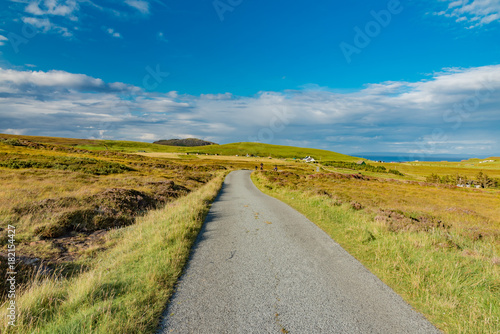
x=257 y=149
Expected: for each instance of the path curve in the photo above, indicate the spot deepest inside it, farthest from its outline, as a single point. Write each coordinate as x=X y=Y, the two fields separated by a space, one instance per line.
x=259 y=266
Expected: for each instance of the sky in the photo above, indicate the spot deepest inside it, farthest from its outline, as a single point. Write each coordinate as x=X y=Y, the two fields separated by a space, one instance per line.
x=419 y=77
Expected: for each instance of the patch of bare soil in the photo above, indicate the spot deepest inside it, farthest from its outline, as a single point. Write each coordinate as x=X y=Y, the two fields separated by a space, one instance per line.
x=400 y=222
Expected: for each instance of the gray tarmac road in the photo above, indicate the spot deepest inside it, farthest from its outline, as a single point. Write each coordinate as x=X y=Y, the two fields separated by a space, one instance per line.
x=259 y=266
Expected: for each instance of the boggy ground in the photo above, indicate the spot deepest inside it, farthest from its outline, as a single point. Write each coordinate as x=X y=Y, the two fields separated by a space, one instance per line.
x=405 y=204
x=63 y=201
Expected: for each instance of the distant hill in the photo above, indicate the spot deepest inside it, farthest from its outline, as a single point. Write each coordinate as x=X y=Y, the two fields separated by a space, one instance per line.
x=190 y=142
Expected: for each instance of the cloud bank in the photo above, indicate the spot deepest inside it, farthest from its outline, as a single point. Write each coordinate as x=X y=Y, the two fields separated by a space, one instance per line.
x=454 y=111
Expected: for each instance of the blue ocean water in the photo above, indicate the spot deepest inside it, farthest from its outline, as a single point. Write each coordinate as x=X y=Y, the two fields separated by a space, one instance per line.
x=411 y=157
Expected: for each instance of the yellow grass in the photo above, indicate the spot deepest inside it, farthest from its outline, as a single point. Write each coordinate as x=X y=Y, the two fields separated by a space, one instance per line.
x=468 y=168
x=452 y=277
x=463 y=208
x=450 y=274
x=127 y=287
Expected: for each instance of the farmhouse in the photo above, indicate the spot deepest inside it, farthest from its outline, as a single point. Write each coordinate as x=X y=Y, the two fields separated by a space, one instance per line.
x=309 y=159
x=361 y=163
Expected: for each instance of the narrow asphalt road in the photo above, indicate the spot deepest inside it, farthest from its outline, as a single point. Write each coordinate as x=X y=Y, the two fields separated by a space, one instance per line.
x=259 y=266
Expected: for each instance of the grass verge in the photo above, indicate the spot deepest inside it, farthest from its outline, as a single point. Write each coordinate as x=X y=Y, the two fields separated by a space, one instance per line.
x=456 y=287
x=128 y=286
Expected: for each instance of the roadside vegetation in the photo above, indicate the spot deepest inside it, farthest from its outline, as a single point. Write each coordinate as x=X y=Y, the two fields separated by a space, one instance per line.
x=124 y=289
x=65 y=201
x=437 y=246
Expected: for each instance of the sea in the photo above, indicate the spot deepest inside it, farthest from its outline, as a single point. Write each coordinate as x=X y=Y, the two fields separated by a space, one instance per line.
x=413 y=157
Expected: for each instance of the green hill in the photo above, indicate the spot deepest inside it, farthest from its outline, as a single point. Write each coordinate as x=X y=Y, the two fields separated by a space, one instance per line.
x=256 y=149
x=276 y=151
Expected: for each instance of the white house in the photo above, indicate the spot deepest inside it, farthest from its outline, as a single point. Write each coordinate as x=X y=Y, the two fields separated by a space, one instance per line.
x=309 y=159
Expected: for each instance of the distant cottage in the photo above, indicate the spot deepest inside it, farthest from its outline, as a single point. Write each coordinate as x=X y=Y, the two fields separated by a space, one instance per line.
x=361 y=163
x=309 y=159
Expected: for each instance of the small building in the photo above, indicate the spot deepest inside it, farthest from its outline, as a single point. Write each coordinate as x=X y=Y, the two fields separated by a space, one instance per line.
x=309 y=159
x=361 y=163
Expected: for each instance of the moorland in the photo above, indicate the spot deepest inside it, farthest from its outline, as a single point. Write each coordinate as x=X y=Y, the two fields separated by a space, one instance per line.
x=101 y=224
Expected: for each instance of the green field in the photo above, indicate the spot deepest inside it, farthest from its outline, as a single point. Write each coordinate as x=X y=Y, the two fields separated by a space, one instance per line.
x=256 y=149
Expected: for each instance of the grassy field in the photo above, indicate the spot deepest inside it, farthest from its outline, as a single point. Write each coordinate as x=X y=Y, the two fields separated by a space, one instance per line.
x=438 y=247
x=126 y=288
x=256 y=149
x=469 y=167
x=86 y=218
x=100 y=224
x=64 y=201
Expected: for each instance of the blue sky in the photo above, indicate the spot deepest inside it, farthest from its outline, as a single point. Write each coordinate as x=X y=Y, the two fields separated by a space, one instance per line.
x=407 y=76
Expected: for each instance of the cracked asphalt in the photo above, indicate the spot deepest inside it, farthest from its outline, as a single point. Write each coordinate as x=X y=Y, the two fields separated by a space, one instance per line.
x=259 y=266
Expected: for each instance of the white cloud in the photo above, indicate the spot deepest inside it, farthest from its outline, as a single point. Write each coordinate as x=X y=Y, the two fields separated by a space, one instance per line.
x=14 y=131
x=141 y=5
x=225 y=96
x=3 y=39
x=161 y=37
x=455 y=111
x=39 y=82
x=52 y=15
x=43 y=24
x=475 y=13
x=149 y=137
x=113 y=33
x=66 y=8
x=46 y=25
x=63 y=16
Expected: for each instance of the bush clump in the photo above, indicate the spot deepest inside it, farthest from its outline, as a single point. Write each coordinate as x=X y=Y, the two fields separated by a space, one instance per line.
x=481 y=181
x=366 y=167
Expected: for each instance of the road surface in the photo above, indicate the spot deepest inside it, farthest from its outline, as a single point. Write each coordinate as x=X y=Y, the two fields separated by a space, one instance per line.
x=259 y=266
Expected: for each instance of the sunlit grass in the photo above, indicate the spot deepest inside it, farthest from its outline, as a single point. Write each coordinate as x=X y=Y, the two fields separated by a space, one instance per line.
x=450 y=274
x=127 y=287
x=468 y=168
x=450 y=277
